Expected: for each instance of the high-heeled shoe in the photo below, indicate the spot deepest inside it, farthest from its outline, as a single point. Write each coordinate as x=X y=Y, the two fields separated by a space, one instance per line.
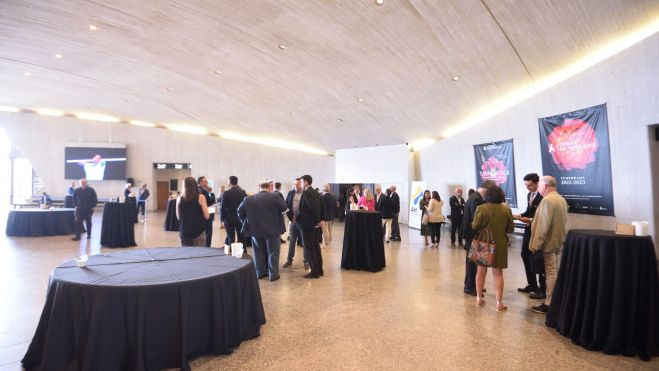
x=501 y=307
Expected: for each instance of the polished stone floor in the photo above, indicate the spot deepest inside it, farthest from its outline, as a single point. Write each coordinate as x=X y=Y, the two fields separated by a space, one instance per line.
x=411 y=316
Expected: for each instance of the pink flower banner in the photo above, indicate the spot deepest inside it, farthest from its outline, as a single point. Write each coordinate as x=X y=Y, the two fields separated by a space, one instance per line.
x=495 y=161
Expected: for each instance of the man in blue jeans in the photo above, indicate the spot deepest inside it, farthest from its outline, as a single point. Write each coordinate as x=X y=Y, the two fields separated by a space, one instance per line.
x=295 y=235
x=261 y=217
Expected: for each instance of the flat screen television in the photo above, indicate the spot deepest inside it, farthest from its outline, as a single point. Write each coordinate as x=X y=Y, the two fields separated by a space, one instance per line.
x=95 y=163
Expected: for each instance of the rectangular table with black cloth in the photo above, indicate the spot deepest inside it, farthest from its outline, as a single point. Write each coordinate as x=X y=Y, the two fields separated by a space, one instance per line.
x=607 y=293
x=146 y=309
x=40 y=222
x=363 y=245
x=118 y=229
x=171 y=221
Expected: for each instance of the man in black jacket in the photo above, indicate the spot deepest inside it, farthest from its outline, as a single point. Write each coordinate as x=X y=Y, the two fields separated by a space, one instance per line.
x=533 y=199
x=311 y=209
x=229 y=209
x=294 y=232
x=85 y=200
x=457 y=210
x=395 y=229
x=210 y=200
x=472 y=204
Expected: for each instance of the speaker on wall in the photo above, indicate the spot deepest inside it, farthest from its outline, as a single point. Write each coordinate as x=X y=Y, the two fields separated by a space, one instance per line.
x=173 y=184
x=131 y=181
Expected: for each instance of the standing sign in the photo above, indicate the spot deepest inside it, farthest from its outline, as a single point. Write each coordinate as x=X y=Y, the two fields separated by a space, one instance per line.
x=575 y=150
x=416 y=195
x=495 y=162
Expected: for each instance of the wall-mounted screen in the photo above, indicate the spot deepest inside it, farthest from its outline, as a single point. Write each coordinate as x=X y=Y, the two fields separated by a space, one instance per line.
x=95 y=163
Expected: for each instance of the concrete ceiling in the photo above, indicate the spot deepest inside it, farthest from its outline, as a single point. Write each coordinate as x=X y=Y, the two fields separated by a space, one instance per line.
x=352 y=73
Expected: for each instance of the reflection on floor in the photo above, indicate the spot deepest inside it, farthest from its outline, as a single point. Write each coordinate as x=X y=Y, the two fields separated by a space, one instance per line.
x=412 y=315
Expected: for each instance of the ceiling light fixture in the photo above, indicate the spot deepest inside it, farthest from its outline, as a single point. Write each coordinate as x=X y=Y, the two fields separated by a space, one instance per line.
x=190 y=129
x=523 y=93
x=272 y=142
x=456 y=78
x=379 y=2
x=218 y=72
x=292 y=113
x=27 y=74
x=48 y=112
x=9 y=109
x=58 y=56
x=142 y=123
x=360 y=99
x=170 y=89
x=95 y=117
x=339 y=120
x=282 y=46
x=92 y=27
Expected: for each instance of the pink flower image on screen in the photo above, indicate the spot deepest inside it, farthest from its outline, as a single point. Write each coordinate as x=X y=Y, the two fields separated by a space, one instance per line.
x=494 y=170
x=573 y=144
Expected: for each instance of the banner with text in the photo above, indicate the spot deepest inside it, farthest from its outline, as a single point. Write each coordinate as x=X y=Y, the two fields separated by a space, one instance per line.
x=416 y=195
x=496 y=162
x=575 y=150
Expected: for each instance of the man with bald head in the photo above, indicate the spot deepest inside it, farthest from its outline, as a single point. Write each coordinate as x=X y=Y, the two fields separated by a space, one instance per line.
x=548 y=230
x=457 y=211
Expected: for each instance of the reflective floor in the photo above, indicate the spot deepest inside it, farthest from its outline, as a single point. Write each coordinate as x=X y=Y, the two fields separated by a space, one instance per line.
x=412 y=315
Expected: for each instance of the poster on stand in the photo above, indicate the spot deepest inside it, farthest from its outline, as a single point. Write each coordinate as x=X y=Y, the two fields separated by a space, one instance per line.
x=416 y=195
x=575 y=150
x=496 y=162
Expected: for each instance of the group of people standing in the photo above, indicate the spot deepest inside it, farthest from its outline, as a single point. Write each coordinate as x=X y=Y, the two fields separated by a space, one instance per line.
x=387 y=203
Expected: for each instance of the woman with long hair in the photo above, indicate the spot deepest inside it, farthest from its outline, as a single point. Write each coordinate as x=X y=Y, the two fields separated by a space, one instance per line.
x=192 y=213
x=367 y=200
x=435 y=218
x=423 y=205
x=496 y=218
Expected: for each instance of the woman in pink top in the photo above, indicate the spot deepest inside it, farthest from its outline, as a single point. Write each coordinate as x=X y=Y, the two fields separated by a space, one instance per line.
x=367 y=200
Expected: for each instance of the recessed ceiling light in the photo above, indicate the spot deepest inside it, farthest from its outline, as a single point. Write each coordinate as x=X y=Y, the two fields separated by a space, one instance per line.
x=339 y=120
x=27 y=74
x=282 y=46
x=218 y=72
x=379 y=2
x=9 y=109
x=58 y=56
x=292 y=113
x=96 y=117
x=142 y=123
x=272 y=142
x=170 y=89
x=183 y=128
x=456 y=78
x=360 y=99
x=92 y=27
x=48 y=112
x=127 y=100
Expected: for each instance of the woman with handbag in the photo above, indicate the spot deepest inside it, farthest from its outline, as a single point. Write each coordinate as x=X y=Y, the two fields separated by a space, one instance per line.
x=493 y=221
x=423 y=205
x=435 y=218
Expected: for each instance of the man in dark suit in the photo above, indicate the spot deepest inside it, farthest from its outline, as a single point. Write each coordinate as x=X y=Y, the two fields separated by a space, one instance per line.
x=295 y=233
x=85 y=200
x=395 y=229
x=378 y=196
x=472 y=204
x=231 y=199
x=533 y=199
x=261 y=215
x=277 y=191
x=310 y=222
x=457 y=211
x=202 y=182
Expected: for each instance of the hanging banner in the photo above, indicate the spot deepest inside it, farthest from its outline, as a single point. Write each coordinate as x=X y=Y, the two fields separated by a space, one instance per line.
x=495 y=162
x=416 y=195
x=575 y=150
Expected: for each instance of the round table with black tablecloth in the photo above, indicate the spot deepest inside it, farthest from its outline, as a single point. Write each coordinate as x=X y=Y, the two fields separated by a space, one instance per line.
x=146 y=310
x=171 y=221
x=363 y=246
x=40 y=222
x=607 y=293
x=118 y=228
x=68 y=201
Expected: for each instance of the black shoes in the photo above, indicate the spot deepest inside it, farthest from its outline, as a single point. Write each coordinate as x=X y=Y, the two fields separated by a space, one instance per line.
x=538 y=294
x=542 y=309
x=527 y=290
x=75 y=239
x=272 y=279
x=470 y=292
x=281 y=240
x=261 y=276
x=287 y=264
x=310 y=275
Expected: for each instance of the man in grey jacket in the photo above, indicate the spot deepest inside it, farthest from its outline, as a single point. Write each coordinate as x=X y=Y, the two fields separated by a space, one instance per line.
x=261 y=215
x=548 y=231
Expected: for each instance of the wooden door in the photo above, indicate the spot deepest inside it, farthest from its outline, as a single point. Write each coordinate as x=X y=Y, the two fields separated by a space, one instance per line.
x=162 y=193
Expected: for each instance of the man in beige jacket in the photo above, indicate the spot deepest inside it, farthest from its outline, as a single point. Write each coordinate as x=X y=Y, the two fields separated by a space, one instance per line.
x=548 y=231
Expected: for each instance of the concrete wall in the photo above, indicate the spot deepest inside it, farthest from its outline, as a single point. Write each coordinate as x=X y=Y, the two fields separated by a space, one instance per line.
x=42 y=139
x=628 y=83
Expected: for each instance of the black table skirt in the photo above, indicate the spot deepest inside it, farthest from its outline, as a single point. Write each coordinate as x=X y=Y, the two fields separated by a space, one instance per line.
x=118 y=228
x=68 y=202
x=146 y=310
x=133 y=202
x=607 y=293
x=363 y=246
x=40 y=222
x=171 y=221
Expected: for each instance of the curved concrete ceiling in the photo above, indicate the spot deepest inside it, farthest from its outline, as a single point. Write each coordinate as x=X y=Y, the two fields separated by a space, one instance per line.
x=330 y=74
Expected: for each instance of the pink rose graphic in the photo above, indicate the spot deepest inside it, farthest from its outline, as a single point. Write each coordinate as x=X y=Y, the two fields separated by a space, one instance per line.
x=494 y=170
x=573 y=144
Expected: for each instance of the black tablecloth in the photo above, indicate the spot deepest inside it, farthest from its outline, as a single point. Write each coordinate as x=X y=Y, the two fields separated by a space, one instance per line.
x=171 y=221
x=118 y=229
x=68 y=202
x=363 y=246
x=607 y=293
x=146 y=310
x=133 y=202
x=40 y=222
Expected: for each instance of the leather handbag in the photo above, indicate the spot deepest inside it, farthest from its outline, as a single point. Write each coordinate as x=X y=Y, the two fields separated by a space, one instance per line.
x=483 y=248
